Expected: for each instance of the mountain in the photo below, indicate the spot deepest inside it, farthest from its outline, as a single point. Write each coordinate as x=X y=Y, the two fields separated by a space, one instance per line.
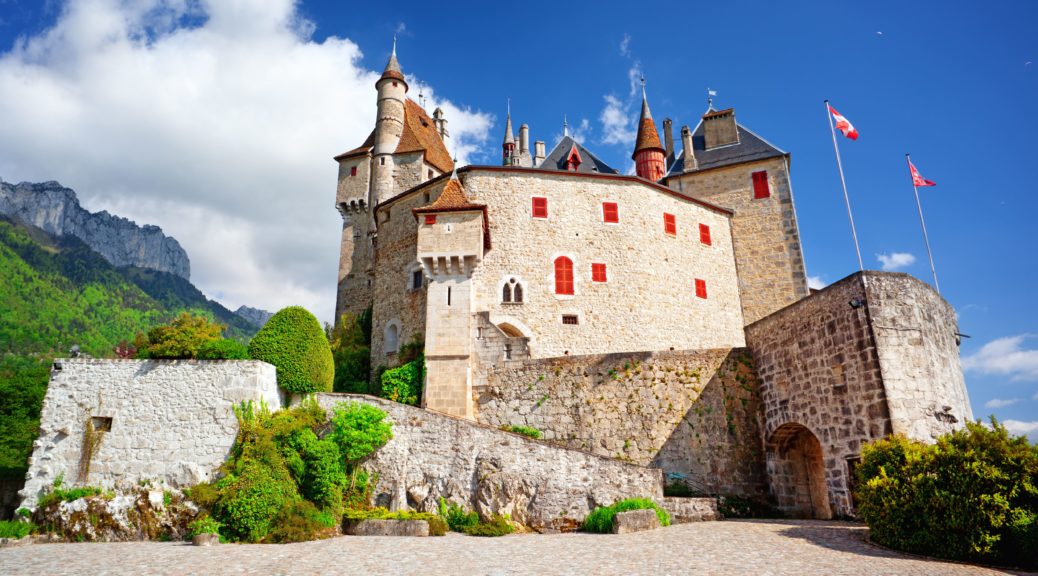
x=254 y=315
x=55 y=209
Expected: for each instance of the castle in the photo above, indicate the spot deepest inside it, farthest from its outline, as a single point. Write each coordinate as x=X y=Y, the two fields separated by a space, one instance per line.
x=543 y=288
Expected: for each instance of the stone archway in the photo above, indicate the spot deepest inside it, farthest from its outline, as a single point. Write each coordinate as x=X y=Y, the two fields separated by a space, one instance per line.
x=510 y=330
x=796 y=471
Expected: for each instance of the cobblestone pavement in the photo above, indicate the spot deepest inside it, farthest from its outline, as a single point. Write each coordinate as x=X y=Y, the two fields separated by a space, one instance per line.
x=729 y=547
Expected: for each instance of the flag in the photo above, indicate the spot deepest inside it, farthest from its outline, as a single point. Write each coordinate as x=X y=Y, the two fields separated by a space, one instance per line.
x=843 y=125
x=917 y=178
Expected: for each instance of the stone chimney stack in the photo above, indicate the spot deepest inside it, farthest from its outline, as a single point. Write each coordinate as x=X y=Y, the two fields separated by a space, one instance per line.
x=688 y=157
x=719 y=128
x=538 y=152
x=524 y=139
x=441 y=125
x=668 y=140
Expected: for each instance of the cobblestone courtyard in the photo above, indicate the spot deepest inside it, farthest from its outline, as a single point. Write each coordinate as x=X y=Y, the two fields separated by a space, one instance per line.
x=730 y=547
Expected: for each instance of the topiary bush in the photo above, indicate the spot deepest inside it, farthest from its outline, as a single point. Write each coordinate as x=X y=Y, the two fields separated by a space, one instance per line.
x=972 y=495
x=223 y=349
x=294 y=342
x=601 y=519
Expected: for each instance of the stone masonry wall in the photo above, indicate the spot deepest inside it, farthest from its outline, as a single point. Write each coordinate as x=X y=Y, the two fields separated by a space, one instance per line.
x=433 y=455
x=693 y=414
x=356 y=255
x=767 y=241
x=171 y=420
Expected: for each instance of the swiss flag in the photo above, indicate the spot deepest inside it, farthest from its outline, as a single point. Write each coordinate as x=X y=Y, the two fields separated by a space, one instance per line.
x=917 y=178
x=843 y=125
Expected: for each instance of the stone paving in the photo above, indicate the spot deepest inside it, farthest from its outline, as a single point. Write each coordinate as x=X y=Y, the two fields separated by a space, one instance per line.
x=729 y=547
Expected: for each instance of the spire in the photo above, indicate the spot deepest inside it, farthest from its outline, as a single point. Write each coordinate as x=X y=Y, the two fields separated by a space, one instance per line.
x=565 y=126
x=648 y=137
x=392 y=70
x=509 y=137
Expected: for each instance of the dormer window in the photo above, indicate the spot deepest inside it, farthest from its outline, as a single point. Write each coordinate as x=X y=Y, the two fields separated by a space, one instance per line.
x=573 y=159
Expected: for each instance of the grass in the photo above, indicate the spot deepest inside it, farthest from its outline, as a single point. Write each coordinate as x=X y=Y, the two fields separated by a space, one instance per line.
x=601 y=519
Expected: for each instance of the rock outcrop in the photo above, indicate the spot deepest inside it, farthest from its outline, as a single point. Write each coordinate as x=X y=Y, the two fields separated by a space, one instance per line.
x=56 y=210
x=254 y=315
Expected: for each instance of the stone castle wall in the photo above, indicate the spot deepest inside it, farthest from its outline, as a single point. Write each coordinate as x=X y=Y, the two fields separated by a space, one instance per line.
x=695 y=414
x=356 y=255
x=171 y=421
x=767 y=240
x=433 y=455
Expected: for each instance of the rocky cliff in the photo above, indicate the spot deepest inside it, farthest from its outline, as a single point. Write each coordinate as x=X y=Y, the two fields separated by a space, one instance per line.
x=254 y=315
x=56 y=210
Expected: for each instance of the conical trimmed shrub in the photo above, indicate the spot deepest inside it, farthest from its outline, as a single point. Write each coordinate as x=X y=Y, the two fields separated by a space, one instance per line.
x=294 y=342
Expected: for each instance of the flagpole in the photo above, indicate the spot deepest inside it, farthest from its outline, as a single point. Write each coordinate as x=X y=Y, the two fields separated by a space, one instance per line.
x=846 y=197
x=926 y=239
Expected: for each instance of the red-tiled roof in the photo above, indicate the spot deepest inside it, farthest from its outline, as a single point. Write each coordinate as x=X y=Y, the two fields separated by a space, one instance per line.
x=648 y=138
x=451 y=199
x=420 y=135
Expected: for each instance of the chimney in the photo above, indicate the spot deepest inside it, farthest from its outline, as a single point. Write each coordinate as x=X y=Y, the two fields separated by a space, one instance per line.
x=668 y=140
x=524 y=139
x=688 y=157
x=538 y=152
x=719 y=128
x=441 y=124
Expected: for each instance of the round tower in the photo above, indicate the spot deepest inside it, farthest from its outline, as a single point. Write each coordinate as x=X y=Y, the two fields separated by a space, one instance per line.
x=389 y=125
x=649 y=155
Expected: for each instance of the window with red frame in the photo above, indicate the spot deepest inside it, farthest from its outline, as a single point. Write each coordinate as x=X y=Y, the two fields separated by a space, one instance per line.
x=610 y=212
x=670 y=224
x=704 y=234
x=598 y=272
x=430 y=219
x=700 y=288
x=353 y=170
x=760 y=185
x=563 y=275
x=540 y=207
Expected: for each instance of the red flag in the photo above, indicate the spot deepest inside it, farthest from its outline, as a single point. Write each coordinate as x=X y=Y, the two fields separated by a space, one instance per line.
x=917 y=178
x=843 y=125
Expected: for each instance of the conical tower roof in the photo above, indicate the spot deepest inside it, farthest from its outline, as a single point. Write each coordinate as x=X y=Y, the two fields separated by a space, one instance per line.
x=509 y=137
x=648 y=137
x=392 y=70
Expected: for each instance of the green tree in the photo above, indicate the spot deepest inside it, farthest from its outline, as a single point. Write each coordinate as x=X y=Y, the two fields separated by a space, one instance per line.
x=293 y=341
x=351 y=350
x=181 y=338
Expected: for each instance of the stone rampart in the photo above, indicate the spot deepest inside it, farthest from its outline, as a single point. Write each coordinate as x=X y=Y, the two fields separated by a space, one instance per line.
x=170 y=422
x=434 y=455
x=694 y=414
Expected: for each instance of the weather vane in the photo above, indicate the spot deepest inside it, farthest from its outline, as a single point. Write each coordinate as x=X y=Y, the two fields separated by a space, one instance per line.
x=710 y=97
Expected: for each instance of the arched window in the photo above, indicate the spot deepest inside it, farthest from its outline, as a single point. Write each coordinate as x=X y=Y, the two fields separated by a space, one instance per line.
x=511 y=291
x=392 y=340
x=506 y=293
x=563 y=275
x=517 y=294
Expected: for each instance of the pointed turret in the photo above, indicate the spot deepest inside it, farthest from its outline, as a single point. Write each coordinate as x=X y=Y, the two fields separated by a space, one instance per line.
x=508 y=146
x=649 y=155
x=392 y=71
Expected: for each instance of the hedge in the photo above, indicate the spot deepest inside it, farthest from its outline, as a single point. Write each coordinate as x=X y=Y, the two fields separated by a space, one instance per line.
x=294 y=342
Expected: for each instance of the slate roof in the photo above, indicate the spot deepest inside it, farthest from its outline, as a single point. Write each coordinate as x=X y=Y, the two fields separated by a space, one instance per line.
x=556 y=159
x=750 y=147
x=420 y=135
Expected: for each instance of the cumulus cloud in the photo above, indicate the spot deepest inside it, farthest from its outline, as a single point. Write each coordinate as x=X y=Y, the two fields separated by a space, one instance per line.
x=1006 y=357
x=617 y=124
x=999 y=403
x=215 y=120
x=1018 y=427
x=816 y=282
x=895 y=261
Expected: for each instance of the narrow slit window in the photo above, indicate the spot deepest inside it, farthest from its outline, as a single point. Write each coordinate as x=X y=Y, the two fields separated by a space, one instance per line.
x=353 y=171
x=610 y=212
x=540 y=207
x=448 y=295
x=760 y=185
x=598 y=272
x=700 y=288
x=704 y=234
x=417 y=279
x=670 y=224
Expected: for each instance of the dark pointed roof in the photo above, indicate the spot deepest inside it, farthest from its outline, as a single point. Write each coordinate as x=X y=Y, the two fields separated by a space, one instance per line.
x=749 y=148
x=392 y=70
x=556 y=159
x=648 y=136
x=509 y=138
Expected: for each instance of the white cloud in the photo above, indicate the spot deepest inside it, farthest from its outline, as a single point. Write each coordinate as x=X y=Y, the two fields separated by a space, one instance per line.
x=215 y=120
x=1004 y=356
x=895 y=261
x=999 y=403
x=816 y=282
x=1018 y=427
x=625 y=45
x=617 y=125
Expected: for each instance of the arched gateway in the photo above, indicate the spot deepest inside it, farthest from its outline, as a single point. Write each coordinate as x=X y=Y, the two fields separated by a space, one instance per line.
x=797 y=471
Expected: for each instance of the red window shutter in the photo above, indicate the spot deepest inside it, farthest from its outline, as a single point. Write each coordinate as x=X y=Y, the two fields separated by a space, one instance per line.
x=700 y=288
x=563 y=275
x=610 y=212
x=670 y=224
x=430 y=219
x=598 y=272
x=353 y=170
x=760 y=185
x=540 y=207
x=704 y=234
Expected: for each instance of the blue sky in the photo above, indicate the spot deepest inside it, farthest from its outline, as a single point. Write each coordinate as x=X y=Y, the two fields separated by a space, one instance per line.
x=953 y=83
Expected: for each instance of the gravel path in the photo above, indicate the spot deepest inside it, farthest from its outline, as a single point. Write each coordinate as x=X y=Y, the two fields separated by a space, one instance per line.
x=729 y=547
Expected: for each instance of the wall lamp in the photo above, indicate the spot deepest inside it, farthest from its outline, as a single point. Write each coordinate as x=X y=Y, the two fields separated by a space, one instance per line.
x=856 y=303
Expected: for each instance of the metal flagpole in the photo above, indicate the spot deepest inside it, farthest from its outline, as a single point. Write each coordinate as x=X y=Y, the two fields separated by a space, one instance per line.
x=846 y=198
x=926 y=239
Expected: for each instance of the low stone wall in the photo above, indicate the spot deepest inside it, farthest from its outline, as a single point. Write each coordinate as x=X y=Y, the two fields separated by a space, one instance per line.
x=694 y=414
x=434 y=455
x=169 y=422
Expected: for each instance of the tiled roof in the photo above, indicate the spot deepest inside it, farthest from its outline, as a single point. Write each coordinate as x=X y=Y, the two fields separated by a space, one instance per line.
x=368 y=144
x=648 y=136
x=452 y=198
x=750 y=147
x=420 y=135
x=556 y=159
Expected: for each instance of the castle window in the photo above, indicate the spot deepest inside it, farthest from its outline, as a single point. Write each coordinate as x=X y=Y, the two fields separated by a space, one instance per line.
x=598 y=272
x=430 y=219
x=540 y=207
x=700 y=288
x=506 y=293
x=610 y=212
x=563 y=276
x=430 y=174
x=517 y=294
x=704 y=234
x=392 y=338
x=670 y=224
x=512 y=292
x=573 y=159
x=425 y=197
x=353 y=171
x=760 y=185
x=382 y=161
x=417 y=279
x=571 y=319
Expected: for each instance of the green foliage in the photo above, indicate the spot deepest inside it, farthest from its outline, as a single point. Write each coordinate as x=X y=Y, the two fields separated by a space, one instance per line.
x=181 y=338
x=359 y=430
x=972 y=495
x=601 y=519
x=250 y=500
x=293 y=341
x=204 y=524
x=524 y=430
x=351 y=351
x=437 y=526
x=59 y=494
x=301 y=521
x=223 y=349
x=15 y=529
x=457 y=519
x=497 y=526
x=23 y=383
x=404 y=384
